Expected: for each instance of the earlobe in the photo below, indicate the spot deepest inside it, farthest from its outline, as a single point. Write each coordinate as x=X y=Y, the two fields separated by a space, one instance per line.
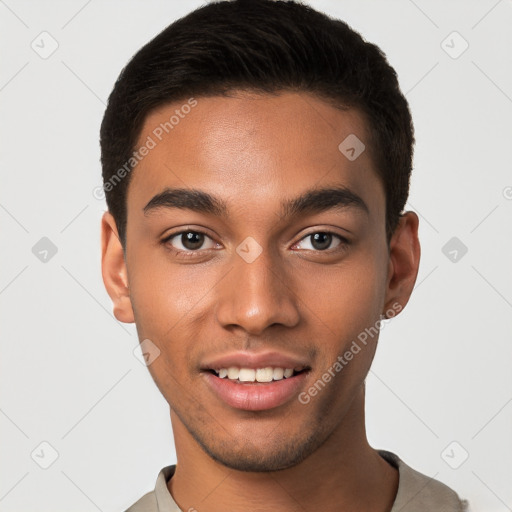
x=113 y=269
x=404 y=260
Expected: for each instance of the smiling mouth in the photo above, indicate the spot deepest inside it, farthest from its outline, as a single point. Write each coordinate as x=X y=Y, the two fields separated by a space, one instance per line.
x=257 y=376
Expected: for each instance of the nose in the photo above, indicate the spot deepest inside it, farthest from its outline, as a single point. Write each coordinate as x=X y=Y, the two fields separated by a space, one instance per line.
x=257 y=294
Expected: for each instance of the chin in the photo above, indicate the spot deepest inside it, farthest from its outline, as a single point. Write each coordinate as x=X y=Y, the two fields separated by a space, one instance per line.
x=255 y=458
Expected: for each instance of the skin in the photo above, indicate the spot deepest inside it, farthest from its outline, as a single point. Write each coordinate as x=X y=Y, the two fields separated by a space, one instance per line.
x=254 y=151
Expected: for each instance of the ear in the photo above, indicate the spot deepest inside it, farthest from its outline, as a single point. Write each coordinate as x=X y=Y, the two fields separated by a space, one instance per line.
x=404 y=261
x=113 y=269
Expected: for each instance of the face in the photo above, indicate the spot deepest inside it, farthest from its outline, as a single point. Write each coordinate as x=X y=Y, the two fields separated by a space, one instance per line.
x=283 y=264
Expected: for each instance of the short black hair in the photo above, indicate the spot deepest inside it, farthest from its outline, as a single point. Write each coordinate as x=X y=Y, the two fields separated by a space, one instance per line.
x=266 y=46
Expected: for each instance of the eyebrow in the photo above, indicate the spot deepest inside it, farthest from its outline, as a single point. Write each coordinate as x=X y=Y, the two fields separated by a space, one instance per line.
x=312 y=201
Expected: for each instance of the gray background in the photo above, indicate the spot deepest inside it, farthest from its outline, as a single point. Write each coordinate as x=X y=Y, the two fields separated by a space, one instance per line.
x=440 y=388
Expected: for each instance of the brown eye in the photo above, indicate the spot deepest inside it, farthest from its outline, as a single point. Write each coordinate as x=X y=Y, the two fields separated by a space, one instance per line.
x=189 y=241
x=322 y=241
x=192 y=240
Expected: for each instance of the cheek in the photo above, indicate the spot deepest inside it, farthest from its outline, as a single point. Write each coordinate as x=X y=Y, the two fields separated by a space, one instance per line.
x=171 y=305
x=163 y=293
x=346 y=298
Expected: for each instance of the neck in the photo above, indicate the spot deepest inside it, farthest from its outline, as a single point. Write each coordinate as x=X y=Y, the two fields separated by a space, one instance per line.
x=345 y=473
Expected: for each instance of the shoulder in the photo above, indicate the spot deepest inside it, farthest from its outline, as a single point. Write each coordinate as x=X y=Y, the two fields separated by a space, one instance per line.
x=159 y=498
x=147 y=503
x=420 y=493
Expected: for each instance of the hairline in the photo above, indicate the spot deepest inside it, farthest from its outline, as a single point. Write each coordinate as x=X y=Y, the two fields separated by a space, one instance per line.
x=234 y=92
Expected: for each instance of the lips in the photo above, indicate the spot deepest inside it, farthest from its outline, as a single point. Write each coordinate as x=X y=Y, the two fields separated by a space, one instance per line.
x=241 y=392
x=254 y=360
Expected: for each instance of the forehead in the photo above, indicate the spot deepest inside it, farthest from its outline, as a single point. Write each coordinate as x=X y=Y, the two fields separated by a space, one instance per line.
x=262 y=147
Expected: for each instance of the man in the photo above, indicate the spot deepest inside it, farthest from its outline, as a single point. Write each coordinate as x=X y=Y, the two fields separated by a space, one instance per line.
x=256 y=160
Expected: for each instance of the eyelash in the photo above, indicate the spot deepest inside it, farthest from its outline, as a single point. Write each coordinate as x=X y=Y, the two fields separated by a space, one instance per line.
x=342 y=246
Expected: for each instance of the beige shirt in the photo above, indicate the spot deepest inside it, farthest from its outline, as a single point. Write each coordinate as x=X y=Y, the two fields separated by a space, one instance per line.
x=416 y=492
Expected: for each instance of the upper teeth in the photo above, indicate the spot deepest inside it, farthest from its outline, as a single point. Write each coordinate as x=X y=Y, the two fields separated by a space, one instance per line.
x=250 y=375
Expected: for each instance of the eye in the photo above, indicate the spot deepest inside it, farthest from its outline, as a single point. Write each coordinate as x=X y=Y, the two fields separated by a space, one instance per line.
x=189 y=241
x=322 y=241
